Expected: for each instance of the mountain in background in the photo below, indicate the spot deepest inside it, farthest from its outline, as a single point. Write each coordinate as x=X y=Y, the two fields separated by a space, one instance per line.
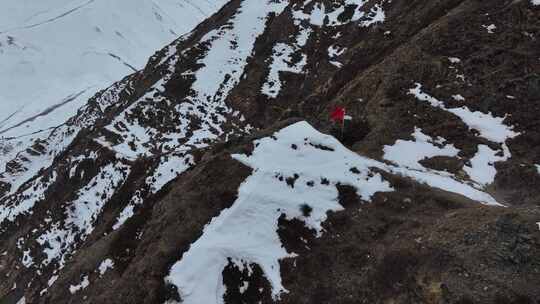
x=214 y=174
x=56 y=54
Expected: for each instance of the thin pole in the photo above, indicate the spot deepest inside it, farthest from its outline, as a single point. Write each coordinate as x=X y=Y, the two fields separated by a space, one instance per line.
x=342 y=127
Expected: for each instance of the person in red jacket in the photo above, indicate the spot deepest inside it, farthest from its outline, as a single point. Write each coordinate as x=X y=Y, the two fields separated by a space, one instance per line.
x=338 y=116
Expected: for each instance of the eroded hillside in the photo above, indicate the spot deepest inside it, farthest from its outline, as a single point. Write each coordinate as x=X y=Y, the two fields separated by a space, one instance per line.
x=214 y=175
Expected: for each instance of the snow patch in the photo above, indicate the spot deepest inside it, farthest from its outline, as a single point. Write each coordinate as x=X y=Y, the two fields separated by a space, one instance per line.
x=129 y=210
x=246 y=232
x=73 y=289
x=376 y=15
x=105 y=266
x=82 y=213
x=27 y=259
x=490 y=28
x=282 y=61
x=27 y=199
x=458 y=97
x=51 y=281
x=319 y=13
x=409 y=153
x=482 y=169
x=490 y=127
x=170 y=166
x=333 y=52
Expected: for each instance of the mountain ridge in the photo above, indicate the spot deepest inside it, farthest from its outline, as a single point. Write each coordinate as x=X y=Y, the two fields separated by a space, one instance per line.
x=114 y=45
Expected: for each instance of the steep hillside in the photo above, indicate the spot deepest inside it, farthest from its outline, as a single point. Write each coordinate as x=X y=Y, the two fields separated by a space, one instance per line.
x=56 y=54
x=214 y=175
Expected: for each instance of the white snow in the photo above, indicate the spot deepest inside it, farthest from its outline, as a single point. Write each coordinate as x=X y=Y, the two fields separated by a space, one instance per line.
x=320 y=12
x=169 y=168
x=333 y=52
x=106 y=265
x=376 y=15
x=337 y=64
x=73 y=289
x=282 y=62
x=458 y=97
x=53 y=143
x=59 y=239
x=409 y=153
x=538 y=168
x=246 y=232
x=535 y=2
x=490 y=127
x=51 y=281
x=93 y=197
x=67 y=50
x=490 y=28
x=316 y=17
x=448 y=183
x=244 y=287
x=129 y=210
x=26 y=200
x=224 y=59
x=217 y=72
x=127 y=213
x=136 y=137
x=57 y=141
x=27 y=259
x=482 y=169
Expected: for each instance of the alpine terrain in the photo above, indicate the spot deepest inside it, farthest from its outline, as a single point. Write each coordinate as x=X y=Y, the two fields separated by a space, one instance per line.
x=282 y=151
x=67 y=50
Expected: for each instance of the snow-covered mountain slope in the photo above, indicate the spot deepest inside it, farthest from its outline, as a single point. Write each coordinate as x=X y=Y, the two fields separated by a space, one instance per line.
x=214 y=174
x=56 y=54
